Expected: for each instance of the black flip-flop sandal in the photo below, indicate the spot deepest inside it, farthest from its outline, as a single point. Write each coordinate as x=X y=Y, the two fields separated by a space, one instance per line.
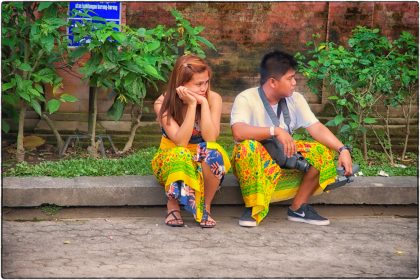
x=168 y=223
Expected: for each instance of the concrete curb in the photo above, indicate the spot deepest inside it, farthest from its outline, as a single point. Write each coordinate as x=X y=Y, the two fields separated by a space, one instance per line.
x=145 y=191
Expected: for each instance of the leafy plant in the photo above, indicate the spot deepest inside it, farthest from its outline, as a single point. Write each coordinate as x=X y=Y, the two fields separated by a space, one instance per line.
x=31 y=44
x=407 y=78
x=130 y=61
x=187 y=37
x=356 y=77
x=403 y=61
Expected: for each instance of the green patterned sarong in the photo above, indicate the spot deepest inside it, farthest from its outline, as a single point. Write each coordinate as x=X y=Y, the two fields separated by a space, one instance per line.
x=262 y=181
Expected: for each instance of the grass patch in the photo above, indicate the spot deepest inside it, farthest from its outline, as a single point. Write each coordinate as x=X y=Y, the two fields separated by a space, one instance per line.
x=139 y=163
x=378 y=161
x=50 y=209
x=135 y=164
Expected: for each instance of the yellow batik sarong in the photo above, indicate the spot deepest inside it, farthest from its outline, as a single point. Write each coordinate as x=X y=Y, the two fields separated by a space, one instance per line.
x=262 y=181
x=173 y=164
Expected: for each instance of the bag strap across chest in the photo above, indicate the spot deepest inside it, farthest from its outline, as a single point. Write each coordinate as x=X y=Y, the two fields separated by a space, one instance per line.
x=281 y=108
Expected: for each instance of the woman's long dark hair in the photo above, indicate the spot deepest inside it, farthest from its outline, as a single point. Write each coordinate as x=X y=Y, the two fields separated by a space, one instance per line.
x=185 y=67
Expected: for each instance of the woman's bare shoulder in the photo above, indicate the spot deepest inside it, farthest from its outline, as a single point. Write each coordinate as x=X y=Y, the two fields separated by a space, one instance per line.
x=214 y=96
x=159 y=100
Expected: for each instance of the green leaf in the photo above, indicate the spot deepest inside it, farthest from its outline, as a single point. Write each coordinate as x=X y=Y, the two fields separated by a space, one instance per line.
x=34 y=92
x=48 y=43
x=133 y=68
x=149 y=69
x=100 y=19
x=369 y=120
x=342 y=102
x=333 y=97
x=25 y=67
x=339 y=119
x=206 y=42
x=354 y=125
x=120 y=37
x=25 y=96
x=313 y=64
x=116 y=111
x=7 y=86
x=44 y=5
x=198 y=29
x=354 y=117
x=330 y=123
x=18 y=5
x=345 y=128
x=39 y=88
x=5 y=126
x=153 y=46
x=176 y=14
x=141 y=32
x=180 y=43
x=68 y=98
x=365 y=61
x=53 y=105
x=35 y=105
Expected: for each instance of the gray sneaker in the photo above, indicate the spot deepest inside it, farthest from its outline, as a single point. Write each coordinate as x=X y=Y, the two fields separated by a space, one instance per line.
x=307 y=214
x=246 y=220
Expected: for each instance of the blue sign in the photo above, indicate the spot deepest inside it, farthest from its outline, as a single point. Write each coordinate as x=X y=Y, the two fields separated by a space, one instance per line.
x=110 y=11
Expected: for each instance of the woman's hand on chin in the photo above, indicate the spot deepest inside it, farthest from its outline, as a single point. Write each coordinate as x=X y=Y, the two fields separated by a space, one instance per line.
x=185 y=95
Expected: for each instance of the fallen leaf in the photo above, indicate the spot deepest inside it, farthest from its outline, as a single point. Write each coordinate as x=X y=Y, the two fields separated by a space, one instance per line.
x=383 y=174
x=66 y=242
x=31 y=142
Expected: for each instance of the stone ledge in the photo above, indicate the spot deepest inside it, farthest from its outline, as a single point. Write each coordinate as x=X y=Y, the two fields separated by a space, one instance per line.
x=145 y=190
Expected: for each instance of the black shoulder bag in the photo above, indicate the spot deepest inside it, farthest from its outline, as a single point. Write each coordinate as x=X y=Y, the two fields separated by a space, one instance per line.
x=272 y=145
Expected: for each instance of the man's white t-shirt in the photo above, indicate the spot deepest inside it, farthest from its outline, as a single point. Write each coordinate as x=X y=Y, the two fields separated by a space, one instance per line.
x=249 y=108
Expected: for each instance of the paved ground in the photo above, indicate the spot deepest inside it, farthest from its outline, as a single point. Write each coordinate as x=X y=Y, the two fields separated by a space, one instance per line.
x=361 y=242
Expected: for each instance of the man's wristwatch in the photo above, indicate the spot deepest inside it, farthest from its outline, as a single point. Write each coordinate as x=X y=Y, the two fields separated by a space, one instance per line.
x=344 y=148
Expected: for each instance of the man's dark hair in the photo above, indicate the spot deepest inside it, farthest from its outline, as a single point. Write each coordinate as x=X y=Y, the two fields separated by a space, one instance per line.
x=275 y=64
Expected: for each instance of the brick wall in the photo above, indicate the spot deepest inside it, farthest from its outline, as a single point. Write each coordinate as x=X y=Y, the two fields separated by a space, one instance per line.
x=243 y=32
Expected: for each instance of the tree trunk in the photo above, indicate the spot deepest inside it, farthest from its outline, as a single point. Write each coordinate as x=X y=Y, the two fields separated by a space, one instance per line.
x=90 y=110
x=365 y=155
x=136 y=113
x=364 y=132
x=388 y=135
x=407 y=117
x=60 y=142
x=20 y=150
x=130 y=140
x=407 y=136
x=93 y=149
